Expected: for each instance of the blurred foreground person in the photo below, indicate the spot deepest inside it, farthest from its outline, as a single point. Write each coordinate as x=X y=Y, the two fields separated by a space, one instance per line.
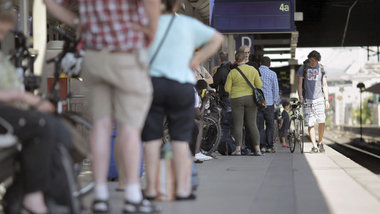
x=115 y=34
x=172 y=62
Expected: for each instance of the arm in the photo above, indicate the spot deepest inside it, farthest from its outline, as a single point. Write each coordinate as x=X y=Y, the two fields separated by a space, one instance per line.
x=152 y=8
x=15 y=96
x=62 y=13
x=257 y=82
x=300 y=82
x=207 y=50
x=228 y=85
x=203 y=105
x=326 y=92
x=281 y=123
x=208 y=77
x=276 y=90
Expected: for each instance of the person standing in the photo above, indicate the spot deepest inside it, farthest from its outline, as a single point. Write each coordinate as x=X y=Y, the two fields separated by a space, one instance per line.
x=220 y=78
x=270 y=89
x=173 y=83
x=243 y=107
x=284 y=124
x=115 y=34
x=313 y=89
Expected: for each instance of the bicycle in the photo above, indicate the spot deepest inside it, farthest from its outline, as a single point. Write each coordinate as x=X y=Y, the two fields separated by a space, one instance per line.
x=79 y=126
x=296 y=129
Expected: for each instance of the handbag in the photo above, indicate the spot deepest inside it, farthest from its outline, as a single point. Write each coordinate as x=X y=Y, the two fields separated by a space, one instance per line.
x=258 y=95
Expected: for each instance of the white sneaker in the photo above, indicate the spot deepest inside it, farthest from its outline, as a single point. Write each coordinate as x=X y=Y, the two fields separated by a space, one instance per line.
x=202 y=157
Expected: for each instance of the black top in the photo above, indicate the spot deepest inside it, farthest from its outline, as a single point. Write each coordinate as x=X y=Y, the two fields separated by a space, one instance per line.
x=220 y=78
x=286 y=123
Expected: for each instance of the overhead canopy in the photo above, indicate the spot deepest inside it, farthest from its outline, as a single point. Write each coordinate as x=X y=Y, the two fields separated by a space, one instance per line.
x=374 y=88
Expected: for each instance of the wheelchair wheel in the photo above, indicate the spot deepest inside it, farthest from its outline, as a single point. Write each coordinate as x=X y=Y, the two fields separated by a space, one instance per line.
x=212 y=133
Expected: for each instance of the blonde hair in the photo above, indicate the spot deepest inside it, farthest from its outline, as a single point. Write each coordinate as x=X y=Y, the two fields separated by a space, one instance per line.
x=243 y=47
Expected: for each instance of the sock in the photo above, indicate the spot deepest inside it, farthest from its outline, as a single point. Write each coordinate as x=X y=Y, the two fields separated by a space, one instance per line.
x=101 y=192
x=133 y=193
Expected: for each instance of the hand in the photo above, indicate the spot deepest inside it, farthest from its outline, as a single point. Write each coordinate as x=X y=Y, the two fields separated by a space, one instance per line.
x=149 y=33
x=45 y=106
x=301 y=100
x=327 y=104
x=194 y=63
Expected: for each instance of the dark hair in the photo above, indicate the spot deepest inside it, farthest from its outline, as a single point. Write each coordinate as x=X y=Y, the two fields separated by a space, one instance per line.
x=223 y=56
x=168 y=5
x=239 y=56
x=285 y=103
x=314 y=54
x=200 y=85
x=265 y=61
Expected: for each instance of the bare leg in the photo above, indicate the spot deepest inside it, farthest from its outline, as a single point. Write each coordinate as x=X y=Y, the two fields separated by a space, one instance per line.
x=198 y=142
x=130 y=143
x=152 y=158
x=100 y=137
x=35 y=202
x=182 y=164
x=321 y=130
x=283 y=141
x=312 y=135
x=119 y=164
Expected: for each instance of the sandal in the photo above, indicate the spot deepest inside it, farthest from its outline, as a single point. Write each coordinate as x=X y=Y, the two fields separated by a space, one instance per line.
x=181 y=198
x=100 y=206
x=144 y=206
x=150 y=197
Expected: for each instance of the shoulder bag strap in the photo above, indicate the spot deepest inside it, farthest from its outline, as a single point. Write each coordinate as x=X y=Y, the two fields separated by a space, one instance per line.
x=249 y=83
x=162 y=41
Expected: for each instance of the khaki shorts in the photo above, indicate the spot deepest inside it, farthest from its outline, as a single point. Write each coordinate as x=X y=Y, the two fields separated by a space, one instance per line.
x=118 y=86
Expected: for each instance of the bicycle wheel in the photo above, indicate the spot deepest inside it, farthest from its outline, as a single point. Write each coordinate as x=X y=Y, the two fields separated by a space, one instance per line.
x=80 y=130
x=292 y=135
x=212 y=133
x=301 y=134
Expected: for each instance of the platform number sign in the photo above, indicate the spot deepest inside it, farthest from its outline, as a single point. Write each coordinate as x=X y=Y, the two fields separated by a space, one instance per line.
x=284 y=7
x=249 y=16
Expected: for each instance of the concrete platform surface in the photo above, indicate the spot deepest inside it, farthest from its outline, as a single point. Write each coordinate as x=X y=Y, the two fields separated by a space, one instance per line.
x=277 y=183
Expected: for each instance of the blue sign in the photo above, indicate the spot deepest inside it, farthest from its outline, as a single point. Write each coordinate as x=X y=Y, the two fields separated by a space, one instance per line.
x=253 y=16
x=244 y=40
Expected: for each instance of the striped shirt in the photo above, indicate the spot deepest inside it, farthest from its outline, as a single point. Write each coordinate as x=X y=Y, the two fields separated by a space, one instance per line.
x=270 y=85
x=108 y=24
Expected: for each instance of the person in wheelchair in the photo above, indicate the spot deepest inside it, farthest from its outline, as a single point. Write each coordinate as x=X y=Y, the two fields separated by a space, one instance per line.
x=33 y=126
x=200 y=106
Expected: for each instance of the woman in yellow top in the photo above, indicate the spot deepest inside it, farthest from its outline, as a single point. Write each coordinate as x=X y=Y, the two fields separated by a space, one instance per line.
x=243 y=107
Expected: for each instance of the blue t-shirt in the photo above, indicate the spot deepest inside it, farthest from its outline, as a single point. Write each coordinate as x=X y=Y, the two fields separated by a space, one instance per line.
x=286 y=123
x=184 y=36
x=313 y=81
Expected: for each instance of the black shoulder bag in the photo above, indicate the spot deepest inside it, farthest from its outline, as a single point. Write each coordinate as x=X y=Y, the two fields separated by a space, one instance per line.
x=258 y=95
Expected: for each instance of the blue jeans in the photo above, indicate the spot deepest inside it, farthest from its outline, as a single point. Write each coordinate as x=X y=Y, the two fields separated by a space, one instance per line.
x=266 y=136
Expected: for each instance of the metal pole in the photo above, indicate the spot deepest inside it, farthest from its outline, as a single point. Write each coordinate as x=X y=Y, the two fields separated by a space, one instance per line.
x=24 y=15
x=361 y=122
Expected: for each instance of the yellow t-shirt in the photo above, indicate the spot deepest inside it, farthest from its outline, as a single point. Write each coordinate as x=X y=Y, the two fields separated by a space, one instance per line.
x=236 y=85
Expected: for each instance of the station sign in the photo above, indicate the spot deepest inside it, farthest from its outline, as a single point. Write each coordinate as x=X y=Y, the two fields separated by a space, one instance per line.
x=252 y=16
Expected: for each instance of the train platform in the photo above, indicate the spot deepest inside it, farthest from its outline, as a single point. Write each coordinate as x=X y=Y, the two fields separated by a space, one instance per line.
x=278 y=183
